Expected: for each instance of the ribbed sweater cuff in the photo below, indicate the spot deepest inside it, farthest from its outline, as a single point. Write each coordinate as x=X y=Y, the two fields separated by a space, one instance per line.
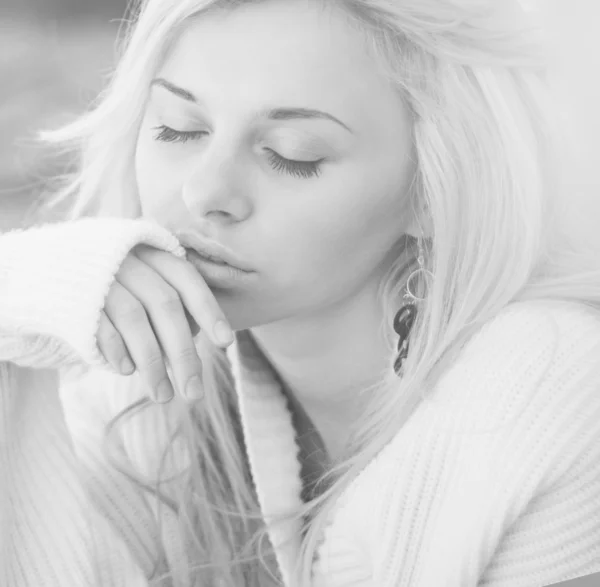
x=54 y=278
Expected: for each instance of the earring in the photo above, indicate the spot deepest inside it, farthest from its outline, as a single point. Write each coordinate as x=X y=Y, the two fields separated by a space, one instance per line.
x=407 y=314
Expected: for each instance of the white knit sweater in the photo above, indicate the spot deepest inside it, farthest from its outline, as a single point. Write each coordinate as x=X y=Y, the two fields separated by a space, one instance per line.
x=495 y=483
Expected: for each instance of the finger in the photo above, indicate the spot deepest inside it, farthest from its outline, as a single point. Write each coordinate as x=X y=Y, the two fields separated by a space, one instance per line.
x=194 y=328
x=168 y=321
x=112 y=346
x=129 y=317
x=193 y=291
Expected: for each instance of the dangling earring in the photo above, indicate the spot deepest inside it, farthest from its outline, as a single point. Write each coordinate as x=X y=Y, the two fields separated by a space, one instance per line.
x=407 y=314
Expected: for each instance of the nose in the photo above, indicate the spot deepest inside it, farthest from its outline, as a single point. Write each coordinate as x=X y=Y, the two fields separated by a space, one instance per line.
x=215 y=190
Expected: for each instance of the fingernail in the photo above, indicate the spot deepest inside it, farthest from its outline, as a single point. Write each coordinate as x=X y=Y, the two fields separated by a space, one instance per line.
x=223 y=332
x=164 y=392
x=194 y=388
x=127 y=367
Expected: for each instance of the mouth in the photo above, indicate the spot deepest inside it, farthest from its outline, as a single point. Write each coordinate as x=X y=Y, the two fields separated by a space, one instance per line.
x=212 y=252
x=212 y=258
x=218 y=274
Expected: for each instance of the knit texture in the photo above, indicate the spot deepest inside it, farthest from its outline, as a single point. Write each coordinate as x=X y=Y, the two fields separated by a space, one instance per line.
x=494 y=481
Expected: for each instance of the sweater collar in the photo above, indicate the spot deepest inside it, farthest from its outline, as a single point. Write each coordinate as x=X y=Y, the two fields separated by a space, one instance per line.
x=271 y=447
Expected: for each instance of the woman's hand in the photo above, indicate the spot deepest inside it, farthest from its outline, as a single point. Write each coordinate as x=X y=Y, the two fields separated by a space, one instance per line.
x=156 y=304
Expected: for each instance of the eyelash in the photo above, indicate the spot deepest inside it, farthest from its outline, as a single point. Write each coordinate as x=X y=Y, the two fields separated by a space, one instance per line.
x=304 y=169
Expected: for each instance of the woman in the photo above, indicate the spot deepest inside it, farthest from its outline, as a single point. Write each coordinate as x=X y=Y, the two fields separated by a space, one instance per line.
x=412 y=394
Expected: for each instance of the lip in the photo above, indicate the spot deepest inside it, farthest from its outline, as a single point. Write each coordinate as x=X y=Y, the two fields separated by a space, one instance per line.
x=218 y=275
x=212 y=251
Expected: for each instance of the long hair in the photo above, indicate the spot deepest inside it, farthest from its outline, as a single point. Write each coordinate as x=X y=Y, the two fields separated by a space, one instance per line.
x=489 y=184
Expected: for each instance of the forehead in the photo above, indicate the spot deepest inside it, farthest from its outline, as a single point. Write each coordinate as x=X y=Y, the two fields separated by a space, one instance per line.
x=290 y=52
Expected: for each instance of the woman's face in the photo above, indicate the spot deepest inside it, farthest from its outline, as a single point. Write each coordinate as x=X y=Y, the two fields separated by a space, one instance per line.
x=230 y=148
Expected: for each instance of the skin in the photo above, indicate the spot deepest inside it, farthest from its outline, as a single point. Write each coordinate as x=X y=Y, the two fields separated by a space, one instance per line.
x=319 y=244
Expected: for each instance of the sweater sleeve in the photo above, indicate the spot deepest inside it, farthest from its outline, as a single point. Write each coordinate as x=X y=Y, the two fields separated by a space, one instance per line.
x=498 y=484
x=555 y=534
x=53 y=282
x=54 y=279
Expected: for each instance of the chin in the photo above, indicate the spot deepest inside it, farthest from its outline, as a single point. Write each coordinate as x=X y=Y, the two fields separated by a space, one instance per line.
x=244 y=312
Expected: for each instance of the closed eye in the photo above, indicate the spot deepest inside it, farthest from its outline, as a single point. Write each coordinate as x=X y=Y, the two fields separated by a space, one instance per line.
x=170 y=135
x=301 y=169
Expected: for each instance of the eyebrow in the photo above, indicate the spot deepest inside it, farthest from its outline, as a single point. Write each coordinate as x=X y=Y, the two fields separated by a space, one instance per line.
x=271 y=113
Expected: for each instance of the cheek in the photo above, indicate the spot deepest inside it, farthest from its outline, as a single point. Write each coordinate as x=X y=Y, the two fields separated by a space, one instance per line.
x=157 y=179
x=357 y=241
x=344 y=238
x=372 y=216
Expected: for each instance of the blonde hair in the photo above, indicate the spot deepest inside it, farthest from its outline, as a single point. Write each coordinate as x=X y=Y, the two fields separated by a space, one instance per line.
x=489 y=183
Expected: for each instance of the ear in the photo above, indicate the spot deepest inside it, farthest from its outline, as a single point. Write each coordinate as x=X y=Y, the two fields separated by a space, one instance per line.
x=420 y=227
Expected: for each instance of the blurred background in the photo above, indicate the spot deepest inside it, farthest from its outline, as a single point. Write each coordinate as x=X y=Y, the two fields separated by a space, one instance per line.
x=55 y=57
x=57 y=54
